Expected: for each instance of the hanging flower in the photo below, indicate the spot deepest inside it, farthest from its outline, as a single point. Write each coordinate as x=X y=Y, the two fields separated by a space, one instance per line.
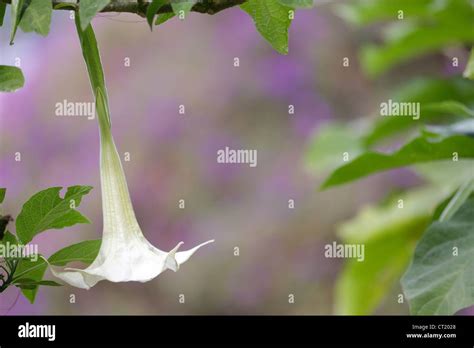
x=125 y=254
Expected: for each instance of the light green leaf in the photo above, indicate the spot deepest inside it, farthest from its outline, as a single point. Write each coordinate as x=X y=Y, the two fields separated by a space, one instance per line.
x=88 y=9
x=90 y=52
x=440 y=279
x=421 y=149
x=16 y=14
x=31 y=283
x=3 y=7
x=11 y=78
x=162 y=18
x=33 y=270
x=469 y=71
x=449 y=107
x=152 y=9
x=182 y=7
x=461 y=195
x=3 y=191
x=327 y=148
x=272 y=21
x=85 y=252
x=389 y=234
x=37 y=17
x=363 y=285
x=46 y=210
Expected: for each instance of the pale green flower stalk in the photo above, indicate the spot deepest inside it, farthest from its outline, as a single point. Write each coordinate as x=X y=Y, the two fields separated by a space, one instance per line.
x=125 y=254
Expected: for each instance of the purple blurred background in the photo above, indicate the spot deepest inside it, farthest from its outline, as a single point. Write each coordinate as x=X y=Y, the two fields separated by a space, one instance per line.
x=173 y=156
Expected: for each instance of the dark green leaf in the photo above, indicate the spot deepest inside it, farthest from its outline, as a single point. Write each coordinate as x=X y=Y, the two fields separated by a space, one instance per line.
x=37 y=17
x=421 y=149
x=439 y=280
x=34 y=283
x=11 y=78
x=152 y=9
x=47 y=210
x=272 y=20
x=88 y=9
x=85 y=252
x=30 y=270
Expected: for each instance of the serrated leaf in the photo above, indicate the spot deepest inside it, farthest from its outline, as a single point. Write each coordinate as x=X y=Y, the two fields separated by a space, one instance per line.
x=469 y=71
x=3 y=191
x=152 y=9
x=37 y=17
x=272 y=21
x=419 y=150
x=440 y=279
x=88 y=9
x=30 y=270
x=85 y=252
x=47 y=210
x=16 y=14
x=11 y=78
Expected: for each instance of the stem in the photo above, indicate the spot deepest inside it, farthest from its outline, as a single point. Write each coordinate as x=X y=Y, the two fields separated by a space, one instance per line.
x=140 y=7
x=458 y=199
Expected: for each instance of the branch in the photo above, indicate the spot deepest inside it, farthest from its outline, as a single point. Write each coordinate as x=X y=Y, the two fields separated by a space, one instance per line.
x=139 y=7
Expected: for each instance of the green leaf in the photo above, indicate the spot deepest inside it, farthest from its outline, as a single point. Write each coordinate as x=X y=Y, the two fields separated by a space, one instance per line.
x=152 y=9
x=327 y=148
x=409 y=39
x=450 y=107
x=363 y=285
x=298 y=3
x=427 y=92
x=272 y=21
x=11 y=78
x=3 y=7
x=439 y=280
x=33 y=283
x=389 y=232
x=33 y=270
x=85 y=252
x=3 y=191
x=16 y=14
x=363 y=12
x=88 y=9
x=420 y=149
x=182 y=7
x=164 y=18
x=46 y=210
x=37 y=17
x=469 y=71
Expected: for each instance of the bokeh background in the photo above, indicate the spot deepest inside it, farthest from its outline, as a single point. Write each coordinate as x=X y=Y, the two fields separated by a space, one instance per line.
x=173 y=156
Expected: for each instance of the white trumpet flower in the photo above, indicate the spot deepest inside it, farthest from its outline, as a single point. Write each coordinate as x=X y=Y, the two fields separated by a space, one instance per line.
x=125 y=254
